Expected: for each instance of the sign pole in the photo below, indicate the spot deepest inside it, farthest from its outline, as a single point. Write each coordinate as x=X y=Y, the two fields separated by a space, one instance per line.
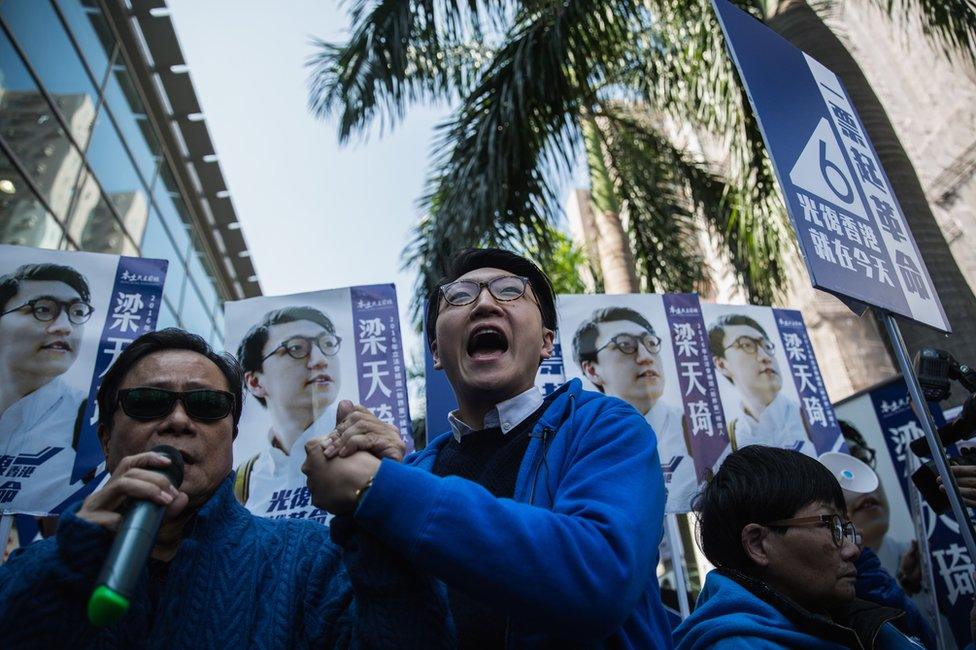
x=6 y=524
x=928 y=425
x=924 y=549
x=678 y=563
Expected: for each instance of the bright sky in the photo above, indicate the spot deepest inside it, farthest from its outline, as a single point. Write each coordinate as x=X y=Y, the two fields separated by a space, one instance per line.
x=316 y=216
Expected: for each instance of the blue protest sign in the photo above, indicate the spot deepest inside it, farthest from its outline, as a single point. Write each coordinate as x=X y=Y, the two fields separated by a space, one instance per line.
x=884 y=417
x=850 y=227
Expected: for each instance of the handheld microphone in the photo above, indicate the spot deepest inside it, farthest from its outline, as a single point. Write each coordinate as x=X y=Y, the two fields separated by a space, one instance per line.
x=959 y=428
x=133 y=542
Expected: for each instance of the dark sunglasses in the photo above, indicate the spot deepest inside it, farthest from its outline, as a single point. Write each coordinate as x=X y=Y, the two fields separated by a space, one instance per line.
x=147 y=404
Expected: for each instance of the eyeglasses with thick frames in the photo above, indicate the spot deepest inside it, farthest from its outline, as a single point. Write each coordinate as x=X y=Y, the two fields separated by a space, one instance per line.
x=751 y=345
x=840 y=530
x=627 y=343
x=147 y=403
x=299 y=347
x=48 y=309
x=504 y=288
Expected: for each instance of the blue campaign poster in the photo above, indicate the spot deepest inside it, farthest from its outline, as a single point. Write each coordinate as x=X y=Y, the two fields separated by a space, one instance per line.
x=850 y=227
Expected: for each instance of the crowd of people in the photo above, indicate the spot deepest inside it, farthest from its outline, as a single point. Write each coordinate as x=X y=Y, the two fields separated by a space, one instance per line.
x=533 y=522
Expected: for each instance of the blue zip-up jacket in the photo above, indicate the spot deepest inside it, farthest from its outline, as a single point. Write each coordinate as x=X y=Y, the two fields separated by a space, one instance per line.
x=876 y=585
x=571 y=559
x=237 y=581
x=730 y=616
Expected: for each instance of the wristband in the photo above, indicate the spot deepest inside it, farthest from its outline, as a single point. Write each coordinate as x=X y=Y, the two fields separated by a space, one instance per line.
x=361 y=491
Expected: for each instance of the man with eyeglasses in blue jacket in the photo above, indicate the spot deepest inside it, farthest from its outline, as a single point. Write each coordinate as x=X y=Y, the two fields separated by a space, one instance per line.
x=542 y=515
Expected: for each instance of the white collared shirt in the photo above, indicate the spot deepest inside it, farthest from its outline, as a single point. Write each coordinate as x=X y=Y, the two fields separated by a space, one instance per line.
x=678 y=467
x=779 y=425
x=506 y=415
x=38 y=427
x=277 y=487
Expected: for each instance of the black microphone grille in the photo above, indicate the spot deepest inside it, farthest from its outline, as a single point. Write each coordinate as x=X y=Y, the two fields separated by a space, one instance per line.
x=174 y=472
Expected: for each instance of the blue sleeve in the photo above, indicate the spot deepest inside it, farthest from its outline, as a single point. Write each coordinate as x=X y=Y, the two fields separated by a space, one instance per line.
x=44 y=587
x=876 y=585
x=576 y=570
x=392 y=604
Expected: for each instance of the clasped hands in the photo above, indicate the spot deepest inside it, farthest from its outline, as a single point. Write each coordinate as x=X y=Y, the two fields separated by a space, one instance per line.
x=338 y=466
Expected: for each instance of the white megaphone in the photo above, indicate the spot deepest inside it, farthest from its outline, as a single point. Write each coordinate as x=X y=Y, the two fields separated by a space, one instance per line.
x=853 y=475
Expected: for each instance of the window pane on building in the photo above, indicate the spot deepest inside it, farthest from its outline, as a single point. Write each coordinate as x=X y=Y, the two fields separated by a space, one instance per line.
x=32 y=132
x=23 y=219
x=156 y=243
x=39 y=32
x=130 y=115
x=114 y=169
x=172 y=211
x=95 y=227
x=91 y=32
x=194 y=313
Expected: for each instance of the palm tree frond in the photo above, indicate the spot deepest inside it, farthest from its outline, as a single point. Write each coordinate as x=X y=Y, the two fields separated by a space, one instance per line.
x=495 y=160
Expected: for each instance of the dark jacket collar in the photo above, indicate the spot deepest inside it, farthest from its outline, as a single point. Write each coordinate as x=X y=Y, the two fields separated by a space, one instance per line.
x=855 y=624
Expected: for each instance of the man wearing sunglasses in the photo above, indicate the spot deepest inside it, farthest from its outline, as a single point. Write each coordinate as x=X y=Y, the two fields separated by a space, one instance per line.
x=744 y=354
x=218 y=576
x=773 y=522
x=542 y=515
x=292 y=368
x=43 y=311
x=620 y=353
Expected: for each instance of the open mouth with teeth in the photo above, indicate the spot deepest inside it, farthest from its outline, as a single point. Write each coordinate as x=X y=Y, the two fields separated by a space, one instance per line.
x=487 y=343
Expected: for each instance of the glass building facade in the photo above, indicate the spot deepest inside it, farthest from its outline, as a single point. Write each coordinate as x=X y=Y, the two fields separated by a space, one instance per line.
x=96 y=155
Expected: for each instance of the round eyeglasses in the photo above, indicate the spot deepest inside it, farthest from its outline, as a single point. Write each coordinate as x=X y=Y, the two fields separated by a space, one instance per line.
x=751 y=345
x=627 y=343
x=840 y=530
x=299 y=347
x=49 y=309
x=504 y=288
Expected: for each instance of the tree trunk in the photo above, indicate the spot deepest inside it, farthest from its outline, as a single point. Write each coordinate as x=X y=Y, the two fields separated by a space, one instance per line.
x=616 y=258
x=796 y=21
x=613 y=244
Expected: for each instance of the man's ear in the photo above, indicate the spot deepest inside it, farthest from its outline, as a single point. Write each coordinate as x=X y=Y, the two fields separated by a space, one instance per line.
x=722 y=368
x=252 y=379
x=590 y=371
x=548 y=342
x=103 y=437
x=754 y=544
x=433 y=353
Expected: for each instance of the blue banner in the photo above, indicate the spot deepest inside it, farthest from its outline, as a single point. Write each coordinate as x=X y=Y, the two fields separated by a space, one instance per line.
x=699 y=389
x=379 y=356
x=952 y=567
x=822 y=424
x=136 y=297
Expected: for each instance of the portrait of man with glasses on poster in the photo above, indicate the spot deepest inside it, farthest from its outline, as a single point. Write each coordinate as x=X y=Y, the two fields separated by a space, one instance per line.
x=293 y=372
x=44 y=308
x=621 y=346
x=758 y=393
